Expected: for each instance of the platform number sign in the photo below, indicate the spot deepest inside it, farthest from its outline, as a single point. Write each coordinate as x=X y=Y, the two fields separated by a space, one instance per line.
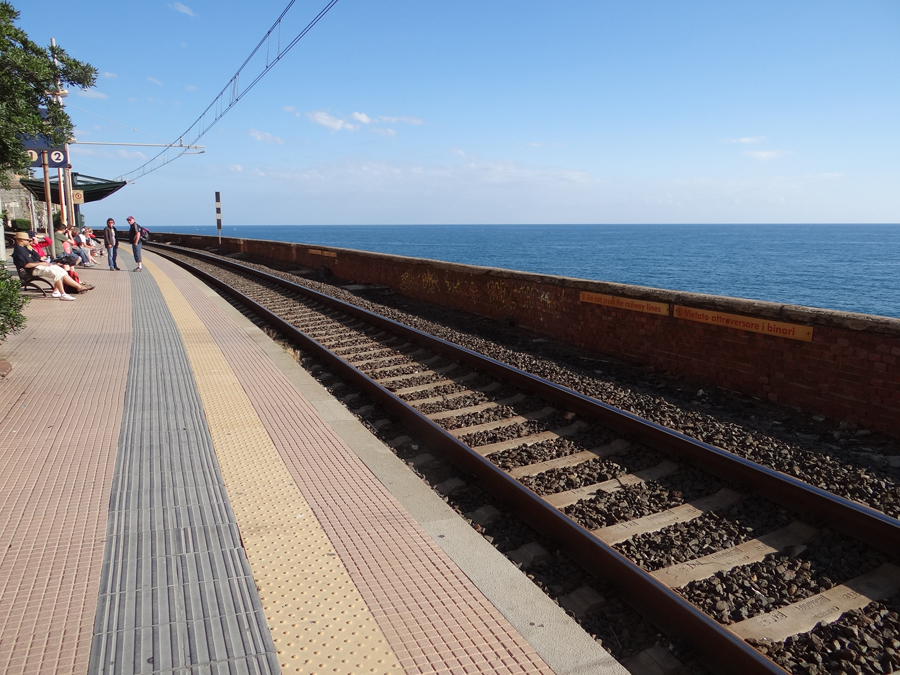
x=57 y=158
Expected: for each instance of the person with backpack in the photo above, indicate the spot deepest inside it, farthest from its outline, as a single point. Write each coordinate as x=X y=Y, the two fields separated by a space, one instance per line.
x=138 y=236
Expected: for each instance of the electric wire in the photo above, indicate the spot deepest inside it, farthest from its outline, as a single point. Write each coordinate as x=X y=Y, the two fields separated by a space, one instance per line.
x=219 y=106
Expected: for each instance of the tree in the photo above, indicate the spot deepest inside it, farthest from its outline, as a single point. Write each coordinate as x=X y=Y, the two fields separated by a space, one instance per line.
x=29 y=80
x=11 y=304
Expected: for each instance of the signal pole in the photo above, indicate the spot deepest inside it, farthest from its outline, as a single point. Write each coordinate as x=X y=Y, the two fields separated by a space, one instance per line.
x=219 y=215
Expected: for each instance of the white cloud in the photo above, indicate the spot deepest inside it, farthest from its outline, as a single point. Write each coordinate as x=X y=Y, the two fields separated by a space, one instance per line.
x=154 y=81
x=127 y=154
x=191 y=87
x=390 y=133
x=289 y=108
x=764 y=155
x=747 y=139
x=91 y=93
x=235 y=167
x=326 y=120
x=415 y=121
x=110 y=76
x=361 y=117
x=184 y=9
x=265 y=137
x=132 y=100
x=76 y=149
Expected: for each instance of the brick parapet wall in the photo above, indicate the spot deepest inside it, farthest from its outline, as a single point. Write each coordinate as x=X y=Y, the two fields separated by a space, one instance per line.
x=849 y=371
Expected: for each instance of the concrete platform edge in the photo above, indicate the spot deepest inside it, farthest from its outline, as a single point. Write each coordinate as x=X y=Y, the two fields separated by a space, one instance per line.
x=554 y=635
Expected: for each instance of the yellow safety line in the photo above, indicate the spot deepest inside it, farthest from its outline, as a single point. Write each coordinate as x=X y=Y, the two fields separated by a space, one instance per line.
x=318 y=619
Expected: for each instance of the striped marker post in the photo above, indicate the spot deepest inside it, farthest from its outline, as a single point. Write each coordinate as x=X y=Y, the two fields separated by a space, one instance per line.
x=219 y=215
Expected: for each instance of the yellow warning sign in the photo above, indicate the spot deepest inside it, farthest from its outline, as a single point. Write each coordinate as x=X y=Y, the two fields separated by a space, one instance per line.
x=777 y=328
x=659 y=308
x=77 y=196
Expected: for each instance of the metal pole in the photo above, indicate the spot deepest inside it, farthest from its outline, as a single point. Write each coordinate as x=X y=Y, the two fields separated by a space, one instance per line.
x=63 y=211
x=219 y=215
x=49 y=203
x=34 y=220
x=69 y=200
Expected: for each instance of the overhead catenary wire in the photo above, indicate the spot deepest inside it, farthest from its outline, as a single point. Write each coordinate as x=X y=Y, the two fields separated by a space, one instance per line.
x=231 y=93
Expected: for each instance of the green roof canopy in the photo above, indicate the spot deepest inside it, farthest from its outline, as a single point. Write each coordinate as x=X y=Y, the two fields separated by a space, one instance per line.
x=94 y=189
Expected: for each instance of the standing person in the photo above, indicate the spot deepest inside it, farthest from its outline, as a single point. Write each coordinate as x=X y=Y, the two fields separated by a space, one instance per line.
x=111 y=242
x=134 y=233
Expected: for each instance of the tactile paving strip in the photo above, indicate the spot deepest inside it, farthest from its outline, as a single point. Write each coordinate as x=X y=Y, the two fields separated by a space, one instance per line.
x=176 y=592
x=318 y=619
x=434 y=617
x=60 y=409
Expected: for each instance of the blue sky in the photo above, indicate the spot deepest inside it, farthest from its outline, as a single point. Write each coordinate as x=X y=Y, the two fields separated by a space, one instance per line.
x=406 y=111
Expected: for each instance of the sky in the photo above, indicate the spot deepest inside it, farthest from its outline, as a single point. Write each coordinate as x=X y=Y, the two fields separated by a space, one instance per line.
x=421 y=112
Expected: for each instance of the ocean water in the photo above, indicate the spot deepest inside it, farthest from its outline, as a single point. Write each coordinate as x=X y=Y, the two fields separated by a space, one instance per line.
x=853 y=268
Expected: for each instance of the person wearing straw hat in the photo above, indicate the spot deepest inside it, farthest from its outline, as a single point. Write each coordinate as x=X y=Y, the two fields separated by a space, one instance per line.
x=26 y=258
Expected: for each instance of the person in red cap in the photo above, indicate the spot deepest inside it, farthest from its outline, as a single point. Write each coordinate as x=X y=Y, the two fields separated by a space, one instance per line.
x=134 y=233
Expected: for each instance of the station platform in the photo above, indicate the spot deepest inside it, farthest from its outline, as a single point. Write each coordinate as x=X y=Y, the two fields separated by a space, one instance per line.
x=177 y=495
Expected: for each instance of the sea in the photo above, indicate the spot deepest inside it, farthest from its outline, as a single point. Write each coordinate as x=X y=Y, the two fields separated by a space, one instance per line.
x=851 y=267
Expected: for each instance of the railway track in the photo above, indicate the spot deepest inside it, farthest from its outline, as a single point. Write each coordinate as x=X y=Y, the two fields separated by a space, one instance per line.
x=714 y=549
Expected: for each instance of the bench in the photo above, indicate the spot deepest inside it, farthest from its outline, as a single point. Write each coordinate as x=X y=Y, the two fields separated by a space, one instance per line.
x=27 y=281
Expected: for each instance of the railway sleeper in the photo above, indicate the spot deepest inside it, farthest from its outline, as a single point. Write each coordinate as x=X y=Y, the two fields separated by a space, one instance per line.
x=447 y=414
x=434 y=385
x=794 y=537
x=399 y=378
x=493 y=386
x=544 y=412
x=562 y=432
x=615 y=534
x=563 y=499
x=828 y=606
x=617 y=447
x=412 y=360
x=376 y=356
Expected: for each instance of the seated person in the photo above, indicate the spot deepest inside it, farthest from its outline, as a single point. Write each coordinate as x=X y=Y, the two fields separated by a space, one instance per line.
x=82 y=242
x=41 y=244
x=78 y=247
x=26 y=258
x=64 y=245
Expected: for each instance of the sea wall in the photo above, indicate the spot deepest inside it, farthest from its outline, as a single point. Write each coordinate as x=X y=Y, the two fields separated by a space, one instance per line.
x=843 y=365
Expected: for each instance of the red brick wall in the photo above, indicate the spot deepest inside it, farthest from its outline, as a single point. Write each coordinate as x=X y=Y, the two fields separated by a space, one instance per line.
x=849 y=371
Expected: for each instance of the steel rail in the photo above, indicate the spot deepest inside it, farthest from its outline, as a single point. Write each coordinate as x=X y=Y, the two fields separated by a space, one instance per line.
x=714 y=643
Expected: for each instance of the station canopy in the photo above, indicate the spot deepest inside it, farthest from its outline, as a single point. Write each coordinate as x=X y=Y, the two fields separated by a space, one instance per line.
x=94 y=189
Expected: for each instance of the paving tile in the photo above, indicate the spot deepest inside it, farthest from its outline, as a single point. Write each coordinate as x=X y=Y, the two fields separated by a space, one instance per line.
x=175 y=587
x=392 y=561
x=58 y=437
